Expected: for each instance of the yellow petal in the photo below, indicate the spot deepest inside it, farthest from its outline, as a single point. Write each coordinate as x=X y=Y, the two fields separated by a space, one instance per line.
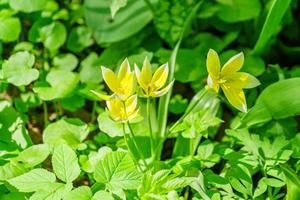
x=101 y=96
x=146 y=74
x=110 y=79
x=235 y=96
x=131 y=103
x=213 y=63
x=243 y=80
x=213 y=83
x=124 y=70
x=138 y=76
x=160 y=76
x=163 y=91
x=234 y=64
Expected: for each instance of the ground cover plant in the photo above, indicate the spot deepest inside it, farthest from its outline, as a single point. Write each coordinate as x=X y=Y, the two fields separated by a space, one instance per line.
x=149 y=99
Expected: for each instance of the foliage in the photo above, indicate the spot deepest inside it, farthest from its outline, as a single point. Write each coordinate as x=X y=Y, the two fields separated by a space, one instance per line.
x=120 y=99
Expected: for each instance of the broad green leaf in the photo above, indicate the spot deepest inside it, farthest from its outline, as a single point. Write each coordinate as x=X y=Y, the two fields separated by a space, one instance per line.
x=33 y=180
x=90 y=69
x=198 y=185
x=53 y=35
x=27 y=6
x=10 y=29
x=80 y=193
x=79 y=38
x=292 y=182
x=62 y=84
x=108 y=126
x=118 y=171
x=18 y=69
x=272 y=21
x=270 y=103
x=69 y=131
x=11 y=170
x=103 y=195
x=73 y=103
x=65 y=163
x=261 y=188
x=13 y=132
x=232 y=11
x=115 y=5
x=54 y=191
x=129 y=20
x=34 y=155
x=67 y=62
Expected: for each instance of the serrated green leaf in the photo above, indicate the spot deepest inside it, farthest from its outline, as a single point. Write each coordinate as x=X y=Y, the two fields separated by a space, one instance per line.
x=80 y=193
x=34 y=155
x=71 y=131
x=33 y=180
x=117 y=170
x=65 y=163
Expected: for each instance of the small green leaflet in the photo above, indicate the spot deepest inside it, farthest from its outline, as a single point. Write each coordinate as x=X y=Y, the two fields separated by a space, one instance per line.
x=65 y=163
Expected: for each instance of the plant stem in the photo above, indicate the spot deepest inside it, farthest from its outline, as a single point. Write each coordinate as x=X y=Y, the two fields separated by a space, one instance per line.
x=129 y=150
x=94 y=112
x=46 y=121
x=150 y=128
x=133 y=137
x=136 y=145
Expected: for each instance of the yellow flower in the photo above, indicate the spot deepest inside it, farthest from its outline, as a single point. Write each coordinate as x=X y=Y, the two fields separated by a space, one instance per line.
x=123 y=111
x=229 y=78
x=121 y=84
x=151 y=85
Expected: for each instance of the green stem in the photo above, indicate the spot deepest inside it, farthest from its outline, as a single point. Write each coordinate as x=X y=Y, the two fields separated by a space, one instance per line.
x=133 y=137
x=93 y=118
x=136 y=145
x=129 y=150
x=164 y=101
x=46 y=121
x=150 y=127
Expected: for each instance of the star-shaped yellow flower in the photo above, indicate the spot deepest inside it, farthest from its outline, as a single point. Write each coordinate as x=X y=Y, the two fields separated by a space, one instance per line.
x=229 y=78
x=121 y=84
x=123 y=111
x=152 y=85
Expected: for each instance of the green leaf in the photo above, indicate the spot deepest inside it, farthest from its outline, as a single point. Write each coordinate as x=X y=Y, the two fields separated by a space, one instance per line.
x=33 y=180
x=90 y=69
x=115 y=5
x=79 y=38
x=69 y=131
x=67 y=62
x=73 y=103
x=274 y=17
x=232 y=11
x=270 y=103
x=11 y=170
x=34 y=155
x=18 y=69
x=104 y=195
x=10 y=29
x=169 y=18
x=53 y=35
x=65 y=163
x=62 y=84
x=27 y=6
x=292 y=182
x=130 y=20
x=117 y=170
x=108 y=126
x=54 y=191
x=80 y=193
